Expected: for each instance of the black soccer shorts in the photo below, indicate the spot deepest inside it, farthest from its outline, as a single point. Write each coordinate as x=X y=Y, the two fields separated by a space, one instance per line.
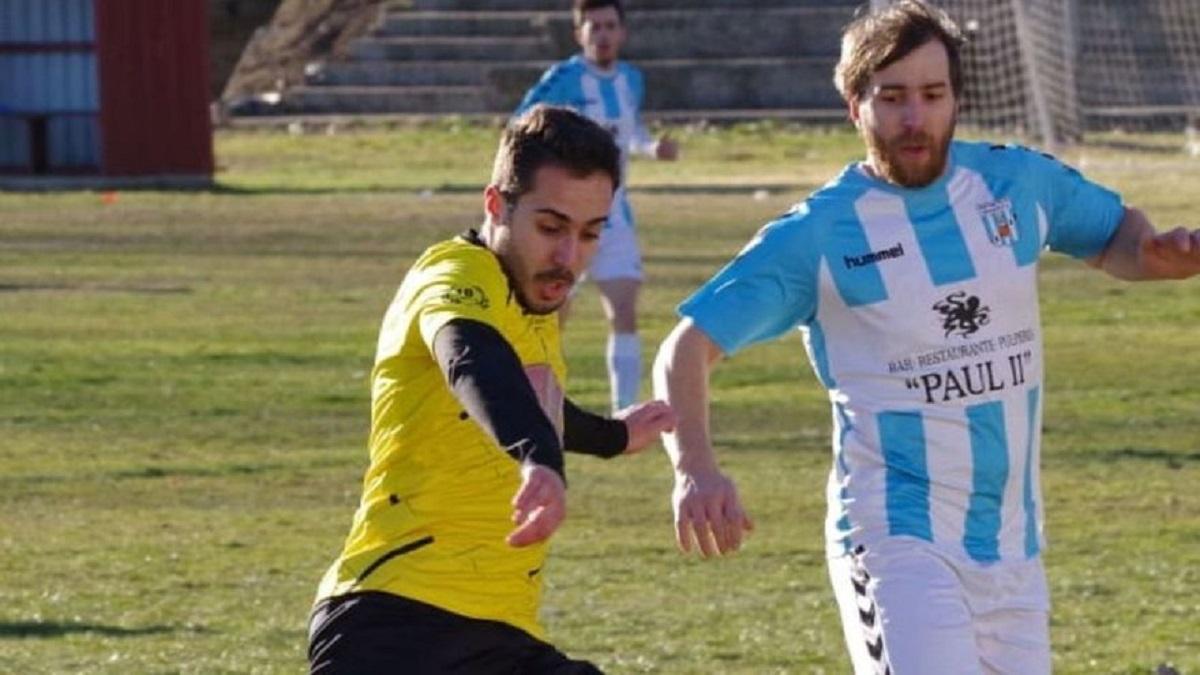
x=373 y=632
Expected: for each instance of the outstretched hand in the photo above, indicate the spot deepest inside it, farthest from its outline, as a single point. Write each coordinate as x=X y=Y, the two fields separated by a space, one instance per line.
x=708 y=514
x=666 y=149
x=1171 y=255
x=645 y=422
x=539 y=505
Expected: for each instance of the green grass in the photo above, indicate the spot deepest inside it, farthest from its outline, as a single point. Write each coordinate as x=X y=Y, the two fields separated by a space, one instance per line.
x=183 y=410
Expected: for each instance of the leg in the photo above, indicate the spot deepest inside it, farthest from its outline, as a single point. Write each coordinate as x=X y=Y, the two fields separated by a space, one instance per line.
x=617 y=269
x=1012 y=626
x=904 y=613
x=624 y=353
x=383 y=633
x=1015 y=642
x=544 y=659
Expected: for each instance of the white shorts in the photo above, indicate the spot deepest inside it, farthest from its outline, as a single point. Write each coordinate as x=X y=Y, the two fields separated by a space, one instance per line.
x=618 y=256
x=909 y=609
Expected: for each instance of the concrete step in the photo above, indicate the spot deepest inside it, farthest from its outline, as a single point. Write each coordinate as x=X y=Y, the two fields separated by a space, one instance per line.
x=679 y=84
x=449 y=48
x=635 y=5
x=741 y=83
x=694 y=84
x=318 y=122
x=671 y=83
x=516 y=23
x=375 y=100
x=779 y=31
x=403 y=73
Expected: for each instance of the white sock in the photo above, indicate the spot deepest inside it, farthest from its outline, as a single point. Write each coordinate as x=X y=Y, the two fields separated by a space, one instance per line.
x=624 y=368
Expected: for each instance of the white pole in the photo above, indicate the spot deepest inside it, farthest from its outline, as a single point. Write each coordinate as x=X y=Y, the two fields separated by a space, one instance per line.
x=1037 y=92
x=1071 y=58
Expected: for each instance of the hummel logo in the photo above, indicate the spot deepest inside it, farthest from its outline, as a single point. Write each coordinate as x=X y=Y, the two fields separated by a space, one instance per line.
x=875 y=649
x=867 y=616
x=873 y=257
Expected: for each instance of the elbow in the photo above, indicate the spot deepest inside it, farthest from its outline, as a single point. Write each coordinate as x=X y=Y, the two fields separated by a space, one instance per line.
x=686 y=352
x=664 y=362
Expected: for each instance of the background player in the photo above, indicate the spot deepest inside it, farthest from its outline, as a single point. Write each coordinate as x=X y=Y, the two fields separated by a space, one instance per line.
x=467 y=410
x=609 y=92
x=913 y=275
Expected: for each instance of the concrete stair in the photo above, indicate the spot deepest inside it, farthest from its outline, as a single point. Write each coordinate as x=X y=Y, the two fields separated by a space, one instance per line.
x=714 y=58
x=631 y=7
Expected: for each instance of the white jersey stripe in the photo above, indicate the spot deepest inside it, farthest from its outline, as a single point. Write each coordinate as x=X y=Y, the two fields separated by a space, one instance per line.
x=921 y=314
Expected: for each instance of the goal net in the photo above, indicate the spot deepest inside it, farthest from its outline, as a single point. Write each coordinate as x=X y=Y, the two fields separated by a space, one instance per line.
x=1065 y=71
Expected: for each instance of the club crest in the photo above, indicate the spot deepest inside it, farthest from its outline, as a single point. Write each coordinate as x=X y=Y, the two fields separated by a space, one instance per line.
x=1000 y=221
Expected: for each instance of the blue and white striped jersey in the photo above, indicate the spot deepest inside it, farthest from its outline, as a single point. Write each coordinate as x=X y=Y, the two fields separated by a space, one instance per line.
x=612 y=99
x=919 y=310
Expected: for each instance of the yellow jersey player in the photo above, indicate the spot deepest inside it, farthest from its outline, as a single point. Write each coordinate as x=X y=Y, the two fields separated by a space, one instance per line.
x=442 y=569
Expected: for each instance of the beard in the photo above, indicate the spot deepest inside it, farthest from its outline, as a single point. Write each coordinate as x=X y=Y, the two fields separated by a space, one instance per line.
x=888 y=156
x=604 y=58
x=524 y=284
x=557 y=274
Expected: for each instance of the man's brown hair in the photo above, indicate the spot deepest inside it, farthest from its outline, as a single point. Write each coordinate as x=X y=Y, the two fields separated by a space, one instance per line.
x=550 y=135
x=876 y=40
x=581 y=7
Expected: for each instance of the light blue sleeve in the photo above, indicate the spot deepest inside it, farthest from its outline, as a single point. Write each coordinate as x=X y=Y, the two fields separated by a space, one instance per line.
x=559 y=85
x=640 y=140
x=768 y=289
x=638 y=84
x=1082 y=216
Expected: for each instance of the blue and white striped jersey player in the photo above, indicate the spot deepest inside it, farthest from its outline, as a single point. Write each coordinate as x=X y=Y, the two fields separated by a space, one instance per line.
x=913 y=277
x=609 y=92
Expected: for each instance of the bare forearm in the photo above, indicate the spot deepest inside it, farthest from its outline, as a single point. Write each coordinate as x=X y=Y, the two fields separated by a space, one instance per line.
x=1138 y=253
x=681 y=374
x=1122 y=257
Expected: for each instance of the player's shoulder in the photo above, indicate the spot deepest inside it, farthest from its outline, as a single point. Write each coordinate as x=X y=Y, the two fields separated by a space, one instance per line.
x=799 y=225
x=571 y=67
x=834 y=200
x=556 y=76
x=1012 y=159
x=459 y=270
x=458 y=255
x=629 y=70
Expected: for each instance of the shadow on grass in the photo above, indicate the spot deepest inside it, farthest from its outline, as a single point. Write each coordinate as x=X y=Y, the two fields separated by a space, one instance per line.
x=197 y=472
x=1174 y=460
x=106 y=288
x=56 y=629
x=472 y=188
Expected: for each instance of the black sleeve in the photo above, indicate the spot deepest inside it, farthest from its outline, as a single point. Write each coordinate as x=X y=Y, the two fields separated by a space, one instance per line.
x=486 y=377
x=592 y=434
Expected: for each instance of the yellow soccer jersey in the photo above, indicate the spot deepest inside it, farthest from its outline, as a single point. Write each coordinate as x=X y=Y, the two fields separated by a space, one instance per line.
x=436 y=502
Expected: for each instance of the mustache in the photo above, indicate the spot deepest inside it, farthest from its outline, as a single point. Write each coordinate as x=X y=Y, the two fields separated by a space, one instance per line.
x=916 y=138
x=556 y=274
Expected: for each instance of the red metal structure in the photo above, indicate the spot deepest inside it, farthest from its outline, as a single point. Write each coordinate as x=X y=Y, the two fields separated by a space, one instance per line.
x=112 y=90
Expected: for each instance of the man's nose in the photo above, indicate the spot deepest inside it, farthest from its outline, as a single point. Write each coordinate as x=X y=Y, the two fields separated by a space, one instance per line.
x=913 y=115
x=566 y=251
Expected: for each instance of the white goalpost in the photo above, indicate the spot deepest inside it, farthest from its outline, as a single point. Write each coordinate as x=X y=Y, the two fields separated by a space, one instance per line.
x=1058 y=71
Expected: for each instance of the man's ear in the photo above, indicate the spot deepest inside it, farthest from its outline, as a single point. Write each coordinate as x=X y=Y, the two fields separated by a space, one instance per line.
x=579 y=35
x=852 y=106
x=494 y=204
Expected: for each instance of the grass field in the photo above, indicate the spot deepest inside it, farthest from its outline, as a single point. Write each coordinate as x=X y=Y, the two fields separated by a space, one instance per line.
x=183 y=410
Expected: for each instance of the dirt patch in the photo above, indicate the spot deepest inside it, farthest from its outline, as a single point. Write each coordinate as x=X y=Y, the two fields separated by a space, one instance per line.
x=300 y=31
